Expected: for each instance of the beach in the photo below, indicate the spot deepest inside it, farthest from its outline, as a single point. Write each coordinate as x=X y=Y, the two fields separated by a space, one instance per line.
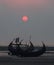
x=45 y=59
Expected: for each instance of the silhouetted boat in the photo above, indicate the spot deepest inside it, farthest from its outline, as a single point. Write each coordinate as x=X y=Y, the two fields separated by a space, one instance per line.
x=28 y=51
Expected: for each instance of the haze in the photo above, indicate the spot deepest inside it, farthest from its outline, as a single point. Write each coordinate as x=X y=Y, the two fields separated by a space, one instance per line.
x=40 y=24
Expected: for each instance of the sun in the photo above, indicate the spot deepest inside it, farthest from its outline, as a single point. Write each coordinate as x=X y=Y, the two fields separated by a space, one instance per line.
x=24 y=18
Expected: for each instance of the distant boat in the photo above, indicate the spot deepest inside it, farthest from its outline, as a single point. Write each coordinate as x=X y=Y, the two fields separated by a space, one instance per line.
x=24 y=50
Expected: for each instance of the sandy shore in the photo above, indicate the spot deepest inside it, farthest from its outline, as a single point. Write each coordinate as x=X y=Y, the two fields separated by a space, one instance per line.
x=42 y=60
x=45 y=59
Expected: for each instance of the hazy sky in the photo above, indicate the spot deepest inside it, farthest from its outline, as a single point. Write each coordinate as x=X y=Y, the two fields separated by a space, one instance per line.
x=40 y=24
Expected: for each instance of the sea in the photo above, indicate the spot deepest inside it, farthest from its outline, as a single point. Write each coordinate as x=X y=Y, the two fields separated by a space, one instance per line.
x=45 y=59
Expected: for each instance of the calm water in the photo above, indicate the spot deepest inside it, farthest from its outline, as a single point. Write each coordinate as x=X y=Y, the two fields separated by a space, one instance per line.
x=45 y=59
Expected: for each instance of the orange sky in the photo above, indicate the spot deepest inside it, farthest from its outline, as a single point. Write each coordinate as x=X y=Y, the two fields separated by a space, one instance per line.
x=24 y=3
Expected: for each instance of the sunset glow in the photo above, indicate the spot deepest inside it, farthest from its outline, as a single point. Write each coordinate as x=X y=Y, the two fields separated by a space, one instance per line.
x=35 y=17
x=25 y=18
x=24 y=3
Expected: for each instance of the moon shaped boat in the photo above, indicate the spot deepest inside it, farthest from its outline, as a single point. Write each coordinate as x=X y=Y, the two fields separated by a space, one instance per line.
x=24 y=50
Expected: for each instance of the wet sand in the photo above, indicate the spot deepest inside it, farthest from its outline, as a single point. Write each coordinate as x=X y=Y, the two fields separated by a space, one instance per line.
x=27 y=61
x=13 y=60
